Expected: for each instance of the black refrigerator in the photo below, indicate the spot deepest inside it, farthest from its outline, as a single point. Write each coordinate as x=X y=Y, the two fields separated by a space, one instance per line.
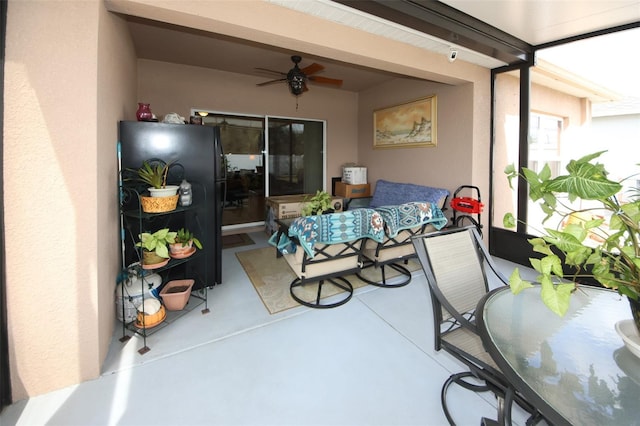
x=195 y=153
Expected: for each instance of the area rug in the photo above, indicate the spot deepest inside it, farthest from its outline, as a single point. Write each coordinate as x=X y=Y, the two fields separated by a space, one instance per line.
x=271 y=277
x=236 y=240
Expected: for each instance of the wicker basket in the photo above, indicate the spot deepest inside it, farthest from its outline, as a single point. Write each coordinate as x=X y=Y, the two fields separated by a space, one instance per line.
x=148 y=321
x=159 y=204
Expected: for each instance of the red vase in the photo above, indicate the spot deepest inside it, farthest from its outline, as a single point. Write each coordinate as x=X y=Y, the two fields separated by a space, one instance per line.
x=143 y=113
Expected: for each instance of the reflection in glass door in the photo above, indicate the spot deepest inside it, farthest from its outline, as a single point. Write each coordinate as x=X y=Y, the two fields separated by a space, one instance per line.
x=296 y=156
x=242 y=140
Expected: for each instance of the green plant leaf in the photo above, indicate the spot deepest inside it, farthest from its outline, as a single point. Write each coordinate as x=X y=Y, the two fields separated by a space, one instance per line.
x=600 y=240
x=556 y=297
x=536 y=264
x=197 y=243
x=511 y=173
x=162 y=251
x=577 y=231
x=565 y=241
x=157 y=241
x=509 y=221
x=317 y=204
x=545 y=173
x=587 y=181
x=516 y=283
x=551 y=265
x=540 y=246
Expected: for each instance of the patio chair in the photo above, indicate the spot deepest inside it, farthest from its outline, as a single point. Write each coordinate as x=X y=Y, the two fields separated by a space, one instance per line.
x=454 y=265
x=401 y=223
x=325 y=250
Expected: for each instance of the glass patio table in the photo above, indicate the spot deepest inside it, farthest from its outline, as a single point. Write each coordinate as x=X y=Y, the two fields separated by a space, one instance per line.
x=574 y=369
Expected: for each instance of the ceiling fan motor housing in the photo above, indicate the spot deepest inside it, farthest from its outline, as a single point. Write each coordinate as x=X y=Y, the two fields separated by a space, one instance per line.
x=296 y=78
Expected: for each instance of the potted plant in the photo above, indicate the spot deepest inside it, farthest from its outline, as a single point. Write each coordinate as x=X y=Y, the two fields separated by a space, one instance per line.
x=155 y=175
x=183 y=244
x=600 y=241
x=319 y=203
x=154 y=247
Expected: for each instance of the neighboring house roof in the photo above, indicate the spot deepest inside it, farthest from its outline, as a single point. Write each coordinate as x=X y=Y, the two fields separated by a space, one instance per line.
x=549 y=75
x=625 y=106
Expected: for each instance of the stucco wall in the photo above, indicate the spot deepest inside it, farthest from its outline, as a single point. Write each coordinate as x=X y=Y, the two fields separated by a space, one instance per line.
x=447 y=165
x=116 y=76
x=60 y=197
x=50 y=194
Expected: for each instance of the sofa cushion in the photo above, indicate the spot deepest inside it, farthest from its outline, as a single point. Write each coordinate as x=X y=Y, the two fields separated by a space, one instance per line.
x=388 y=193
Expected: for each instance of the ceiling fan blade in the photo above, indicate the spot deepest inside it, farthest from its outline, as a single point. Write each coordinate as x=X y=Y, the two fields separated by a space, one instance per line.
x=271 y=71
x=325 y=80
x=271 y=82
x=312 y=69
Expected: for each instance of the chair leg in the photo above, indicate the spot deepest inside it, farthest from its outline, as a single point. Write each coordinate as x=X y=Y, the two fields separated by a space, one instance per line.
x=383 y=282
x=458 y=379
x=504 y=407
x=339 y=282
x=504 y=401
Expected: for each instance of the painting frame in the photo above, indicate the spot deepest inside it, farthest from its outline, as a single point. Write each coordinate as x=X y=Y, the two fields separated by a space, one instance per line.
x=405 y=125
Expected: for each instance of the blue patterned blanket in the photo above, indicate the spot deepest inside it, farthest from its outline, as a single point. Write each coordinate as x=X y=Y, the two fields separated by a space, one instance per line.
x=410 y=215
x=337 y=228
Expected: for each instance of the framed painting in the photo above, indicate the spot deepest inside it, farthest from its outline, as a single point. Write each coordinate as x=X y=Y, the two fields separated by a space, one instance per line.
x=407 y=125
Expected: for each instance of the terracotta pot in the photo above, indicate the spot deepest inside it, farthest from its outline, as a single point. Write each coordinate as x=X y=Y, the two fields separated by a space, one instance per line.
x=175 y=294
x=179 y=249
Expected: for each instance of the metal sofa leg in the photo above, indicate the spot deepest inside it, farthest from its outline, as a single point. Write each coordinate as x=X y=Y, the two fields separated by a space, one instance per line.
x=383 y=282
x=339 y=282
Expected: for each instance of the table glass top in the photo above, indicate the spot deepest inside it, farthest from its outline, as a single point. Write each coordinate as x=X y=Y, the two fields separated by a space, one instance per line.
x=578 y=364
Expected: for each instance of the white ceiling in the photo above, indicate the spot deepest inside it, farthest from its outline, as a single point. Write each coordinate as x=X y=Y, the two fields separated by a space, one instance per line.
x=533 y=21
x=543 y=21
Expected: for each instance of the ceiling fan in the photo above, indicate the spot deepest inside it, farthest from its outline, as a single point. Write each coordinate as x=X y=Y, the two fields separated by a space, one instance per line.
x=297 y=78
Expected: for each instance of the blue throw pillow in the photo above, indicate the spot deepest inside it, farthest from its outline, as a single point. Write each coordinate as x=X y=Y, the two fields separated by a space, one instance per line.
x=393 y=193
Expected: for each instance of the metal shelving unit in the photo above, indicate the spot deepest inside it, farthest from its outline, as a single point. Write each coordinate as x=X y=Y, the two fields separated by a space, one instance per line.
x=133 y=221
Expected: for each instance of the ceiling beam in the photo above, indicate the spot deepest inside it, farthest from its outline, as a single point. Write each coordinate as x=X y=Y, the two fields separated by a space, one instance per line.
x=450 y=25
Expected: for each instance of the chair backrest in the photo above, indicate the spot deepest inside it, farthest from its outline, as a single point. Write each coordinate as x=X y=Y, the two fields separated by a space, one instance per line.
x=453 y=263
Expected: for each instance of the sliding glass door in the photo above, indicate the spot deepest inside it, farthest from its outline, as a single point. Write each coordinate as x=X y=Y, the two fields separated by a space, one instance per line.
x=266 y=156
x=296 y=156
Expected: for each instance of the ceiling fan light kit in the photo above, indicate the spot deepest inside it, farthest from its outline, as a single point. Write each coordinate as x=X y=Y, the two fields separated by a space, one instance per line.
x=297 y=78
